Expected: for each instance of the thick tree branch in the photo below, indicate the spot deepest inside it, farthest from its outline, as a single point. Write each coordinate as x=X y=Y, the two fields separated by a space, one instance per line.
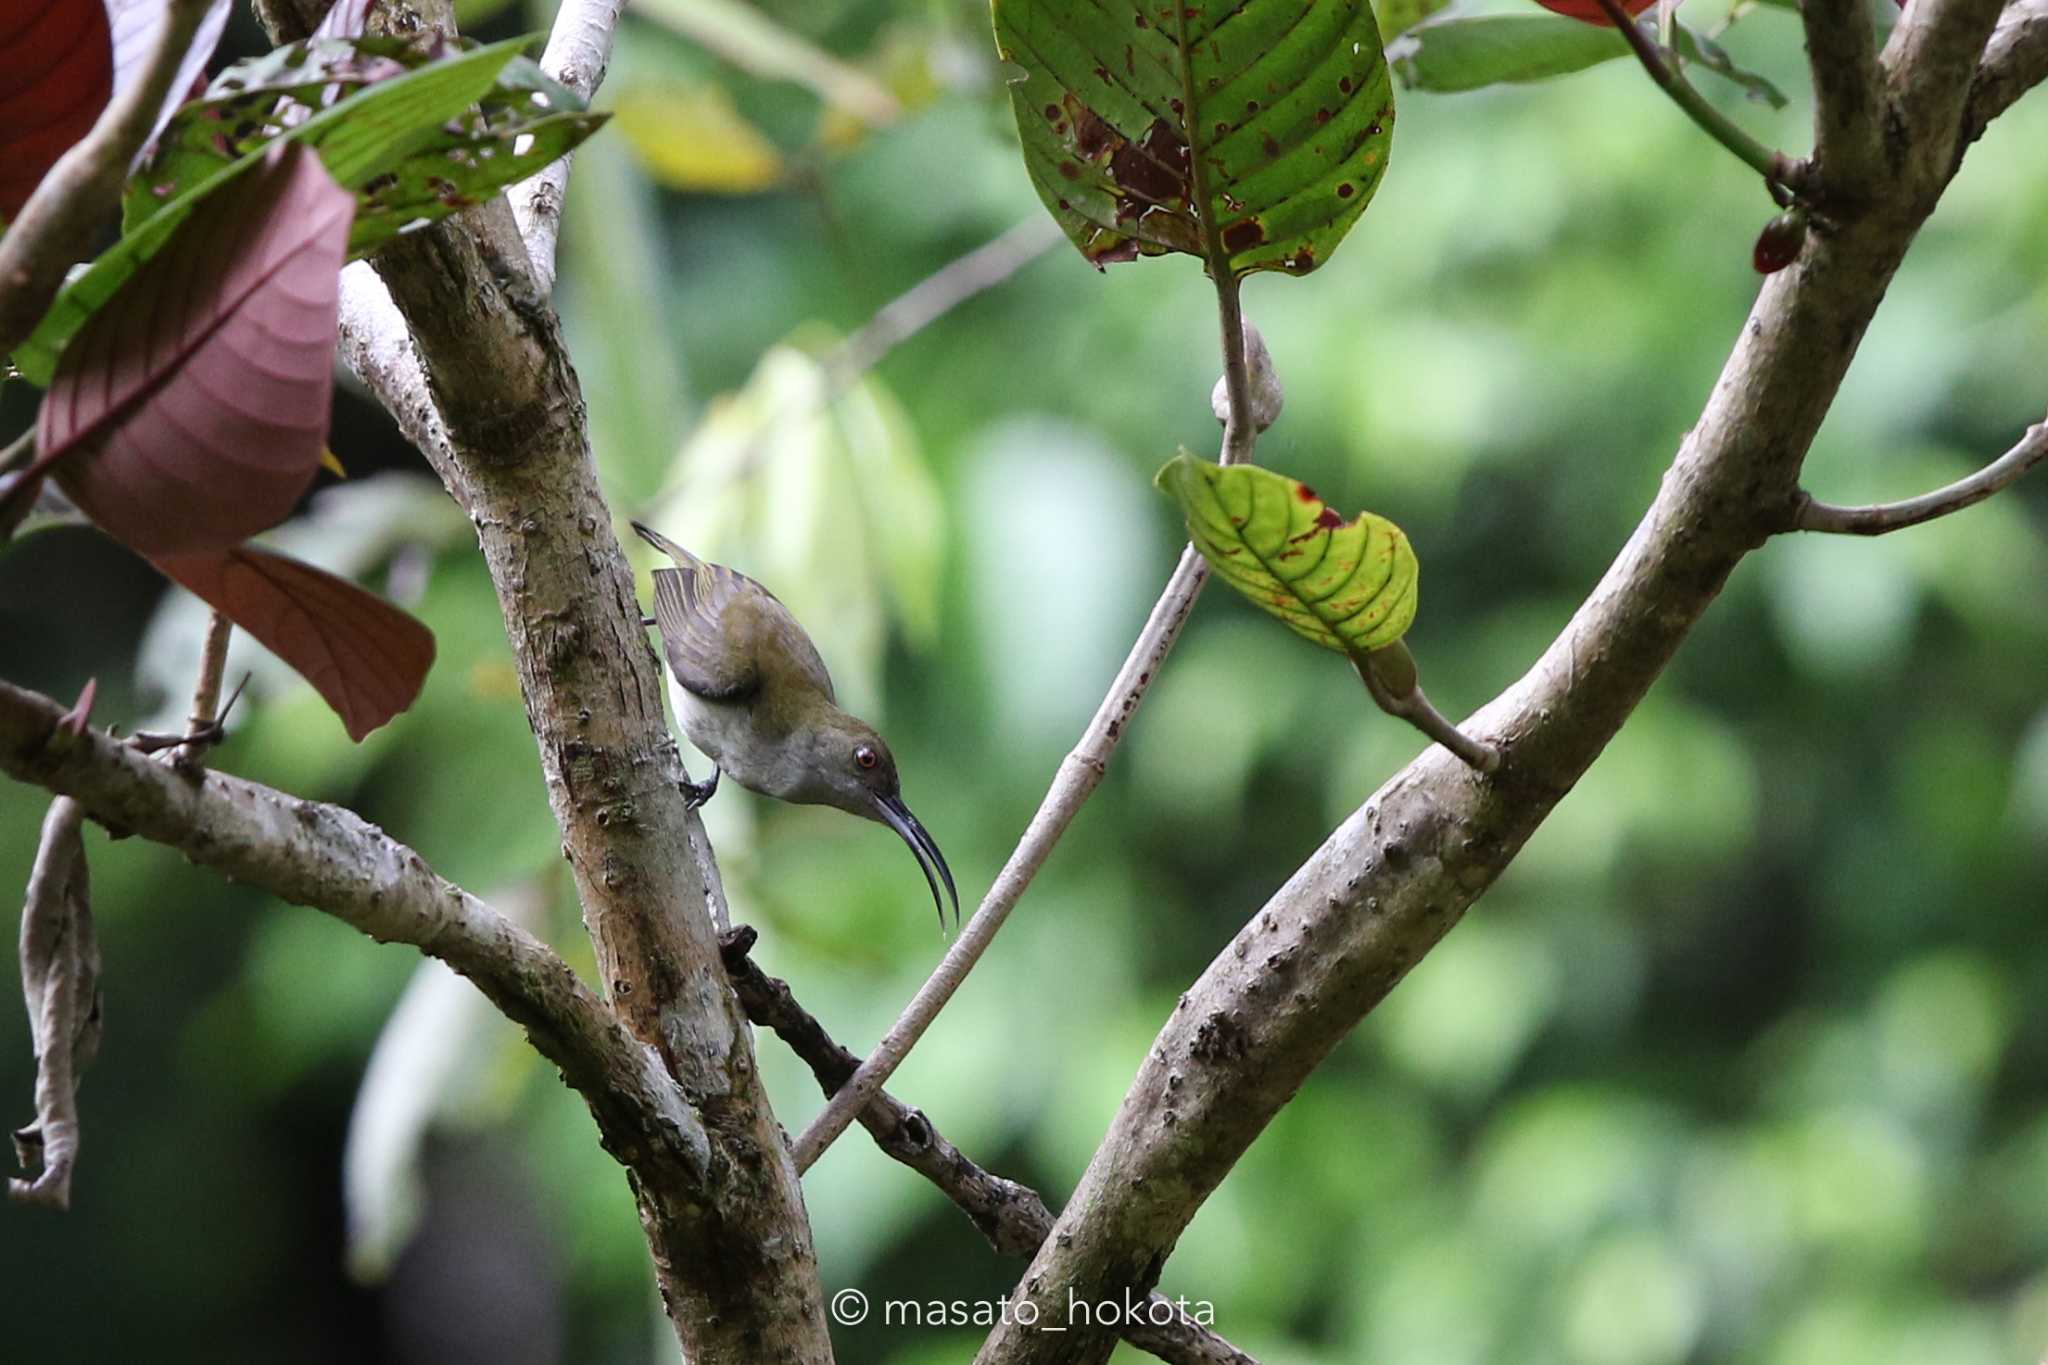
x=2015 y=61
x=80 y=192
x=1013 y=1217
x=60 y=968
x=331 y=859
x=1387 y=885
x=504 y=418
x=1848 y=113
x=1883 y=517
x=1928 y=65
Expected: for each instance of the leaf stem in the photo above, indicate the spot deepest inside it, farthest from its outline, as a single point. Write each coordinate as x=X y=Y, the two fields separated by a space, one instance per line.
x=1389 y=675
x=1241 y=432
x=1775 y=167
x=1965 y=492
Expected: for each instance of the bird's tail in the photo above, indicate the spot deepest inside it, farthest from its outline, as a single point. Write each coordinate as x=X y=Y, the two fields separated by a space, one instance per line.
x=666 y=546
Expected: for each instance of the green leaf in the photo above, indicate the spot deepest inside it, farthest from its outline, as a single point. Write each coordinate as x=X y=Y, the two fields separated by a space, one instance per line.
x=357 y=138
x=1396 y=17
x=524 y=122
x=1699 y=50
x=1250 y=133
x=1346 y=585
x=1468 y=54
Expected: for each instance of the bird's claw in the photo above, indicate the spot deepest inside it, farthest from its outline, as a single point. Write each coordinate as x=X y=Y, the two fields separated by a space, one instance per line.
x=697 y=793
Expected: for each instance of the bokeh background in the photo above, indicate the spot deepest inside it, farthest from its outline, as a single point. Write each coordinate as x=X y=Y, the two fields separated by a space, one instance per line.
x=1743 y=1060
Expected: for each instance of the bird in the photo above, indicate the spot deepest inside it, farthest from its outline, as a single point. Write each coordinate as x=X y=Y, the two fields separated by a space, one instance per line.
x=756 y=699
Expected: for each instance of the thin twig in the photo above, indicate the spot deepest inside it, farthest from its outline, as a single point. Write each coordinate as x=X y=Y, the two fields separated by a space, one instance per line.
x=1885 y=517
x=19 y=451
x=1072 y=785
x=1779 y=171
x=56 y=225
x=1013 y=1217
x=202 y=728
x=578 y=51
x=992 y=263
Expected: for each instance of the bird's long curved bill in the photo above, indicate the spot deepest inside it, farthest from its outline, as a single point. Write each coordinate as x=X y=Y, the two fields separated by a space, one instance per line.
x=898 y=817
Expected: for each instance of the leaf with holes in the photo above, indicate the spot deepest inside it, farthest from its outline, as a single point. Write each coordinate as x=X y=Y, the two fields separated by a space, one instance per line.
x=1249 y=133
x=358 y=137
x=1346 y=585
x=192 y=413
x=363 y=655
x=523 y=122
x=56 y=74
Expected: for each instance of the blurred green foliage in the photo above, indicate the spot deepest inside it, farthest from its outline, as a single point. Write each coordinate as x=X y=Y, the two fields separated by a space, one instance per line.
x=1742 y=1061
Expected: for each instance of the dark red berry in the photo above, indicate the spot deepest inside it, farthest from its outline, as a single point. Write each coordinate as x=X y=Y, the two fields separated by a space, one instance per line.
x=1777 y=246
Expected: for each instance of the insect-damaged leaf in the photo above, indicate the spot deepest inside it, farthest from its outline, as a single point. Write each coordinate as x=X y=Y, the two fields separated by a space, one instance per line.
x=365 y=656
x=1346 y=585
x=1248 y=132
x=357 y=138
x=521 y=123
x=192 y=413
x=56 y=74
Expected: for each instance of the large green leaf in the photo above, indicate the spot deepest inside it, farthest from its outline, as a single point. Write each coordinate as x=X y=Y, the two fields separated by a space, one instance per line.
x=1346 y=585
x=522 y=123
x=357 y=138
x=1247 y=132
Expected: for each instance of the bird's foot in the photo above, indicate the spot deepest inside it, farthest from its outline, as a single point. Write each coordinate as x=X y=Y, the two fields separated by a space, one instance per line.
x=697 y=793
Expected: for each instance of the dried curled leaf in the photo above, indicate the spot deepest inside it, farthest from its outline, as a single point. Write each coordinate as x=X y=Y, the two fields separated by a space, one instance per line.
x=1346 y=585
x=1248 y=132
x=60 y=969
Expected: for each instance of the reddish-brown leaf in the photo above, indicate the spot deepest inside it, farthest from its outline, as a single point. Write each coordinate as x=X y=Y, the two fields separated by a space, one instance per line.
x=56 y=74
x=191 y=411
x=365 y=656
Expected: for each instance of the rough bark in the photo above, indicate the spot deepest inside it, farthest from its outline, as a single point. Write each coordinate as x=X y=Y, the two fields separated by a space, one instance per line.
x=1394 y=878
x=733 y=1255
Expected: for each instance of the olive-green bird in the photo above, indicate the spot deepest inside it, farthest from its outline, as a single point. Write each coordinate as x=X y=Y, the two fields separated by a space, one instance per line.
x=757 y=700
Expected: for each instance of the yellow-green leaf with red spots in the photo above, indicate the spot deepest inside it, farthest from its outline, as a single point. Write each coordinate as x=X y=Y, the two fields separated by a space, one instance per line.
x=1347 y=585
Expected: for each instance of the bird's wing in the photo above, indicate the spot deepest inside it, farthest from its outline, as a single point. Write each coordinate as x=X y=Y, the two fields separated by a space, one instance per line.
x=690 y=606
x=717 y=623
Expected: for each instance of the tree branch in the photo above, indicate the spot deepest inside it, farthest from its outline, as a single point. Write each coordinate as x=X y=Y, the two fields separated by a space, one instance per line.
x=331 y=859
x=1393 y=878
x=1885 y=517
x=1848 y=110
x=578 y=51
x=1082 y=769
x=57 y=223
x=1780 y=172
x=502 y=416
x=2015 y=61
x=1013 y=1217
x=1928 y=66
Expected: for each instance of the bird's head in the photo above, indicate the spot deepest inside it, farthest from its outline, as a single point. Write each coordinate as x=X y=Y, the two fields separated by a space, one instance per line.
x=855 y=771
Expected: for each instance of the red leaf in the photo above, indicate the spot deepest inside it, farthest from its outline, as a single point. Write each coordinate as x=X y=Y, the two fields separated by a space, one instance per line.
x=191 y=411
x=56 y=74
x=365 y=656
x=1589 y=12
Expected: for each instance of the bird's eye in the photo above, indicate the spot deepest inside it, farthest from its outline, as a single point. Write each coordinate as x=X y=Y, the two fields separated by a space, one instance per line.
x=865 y=756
